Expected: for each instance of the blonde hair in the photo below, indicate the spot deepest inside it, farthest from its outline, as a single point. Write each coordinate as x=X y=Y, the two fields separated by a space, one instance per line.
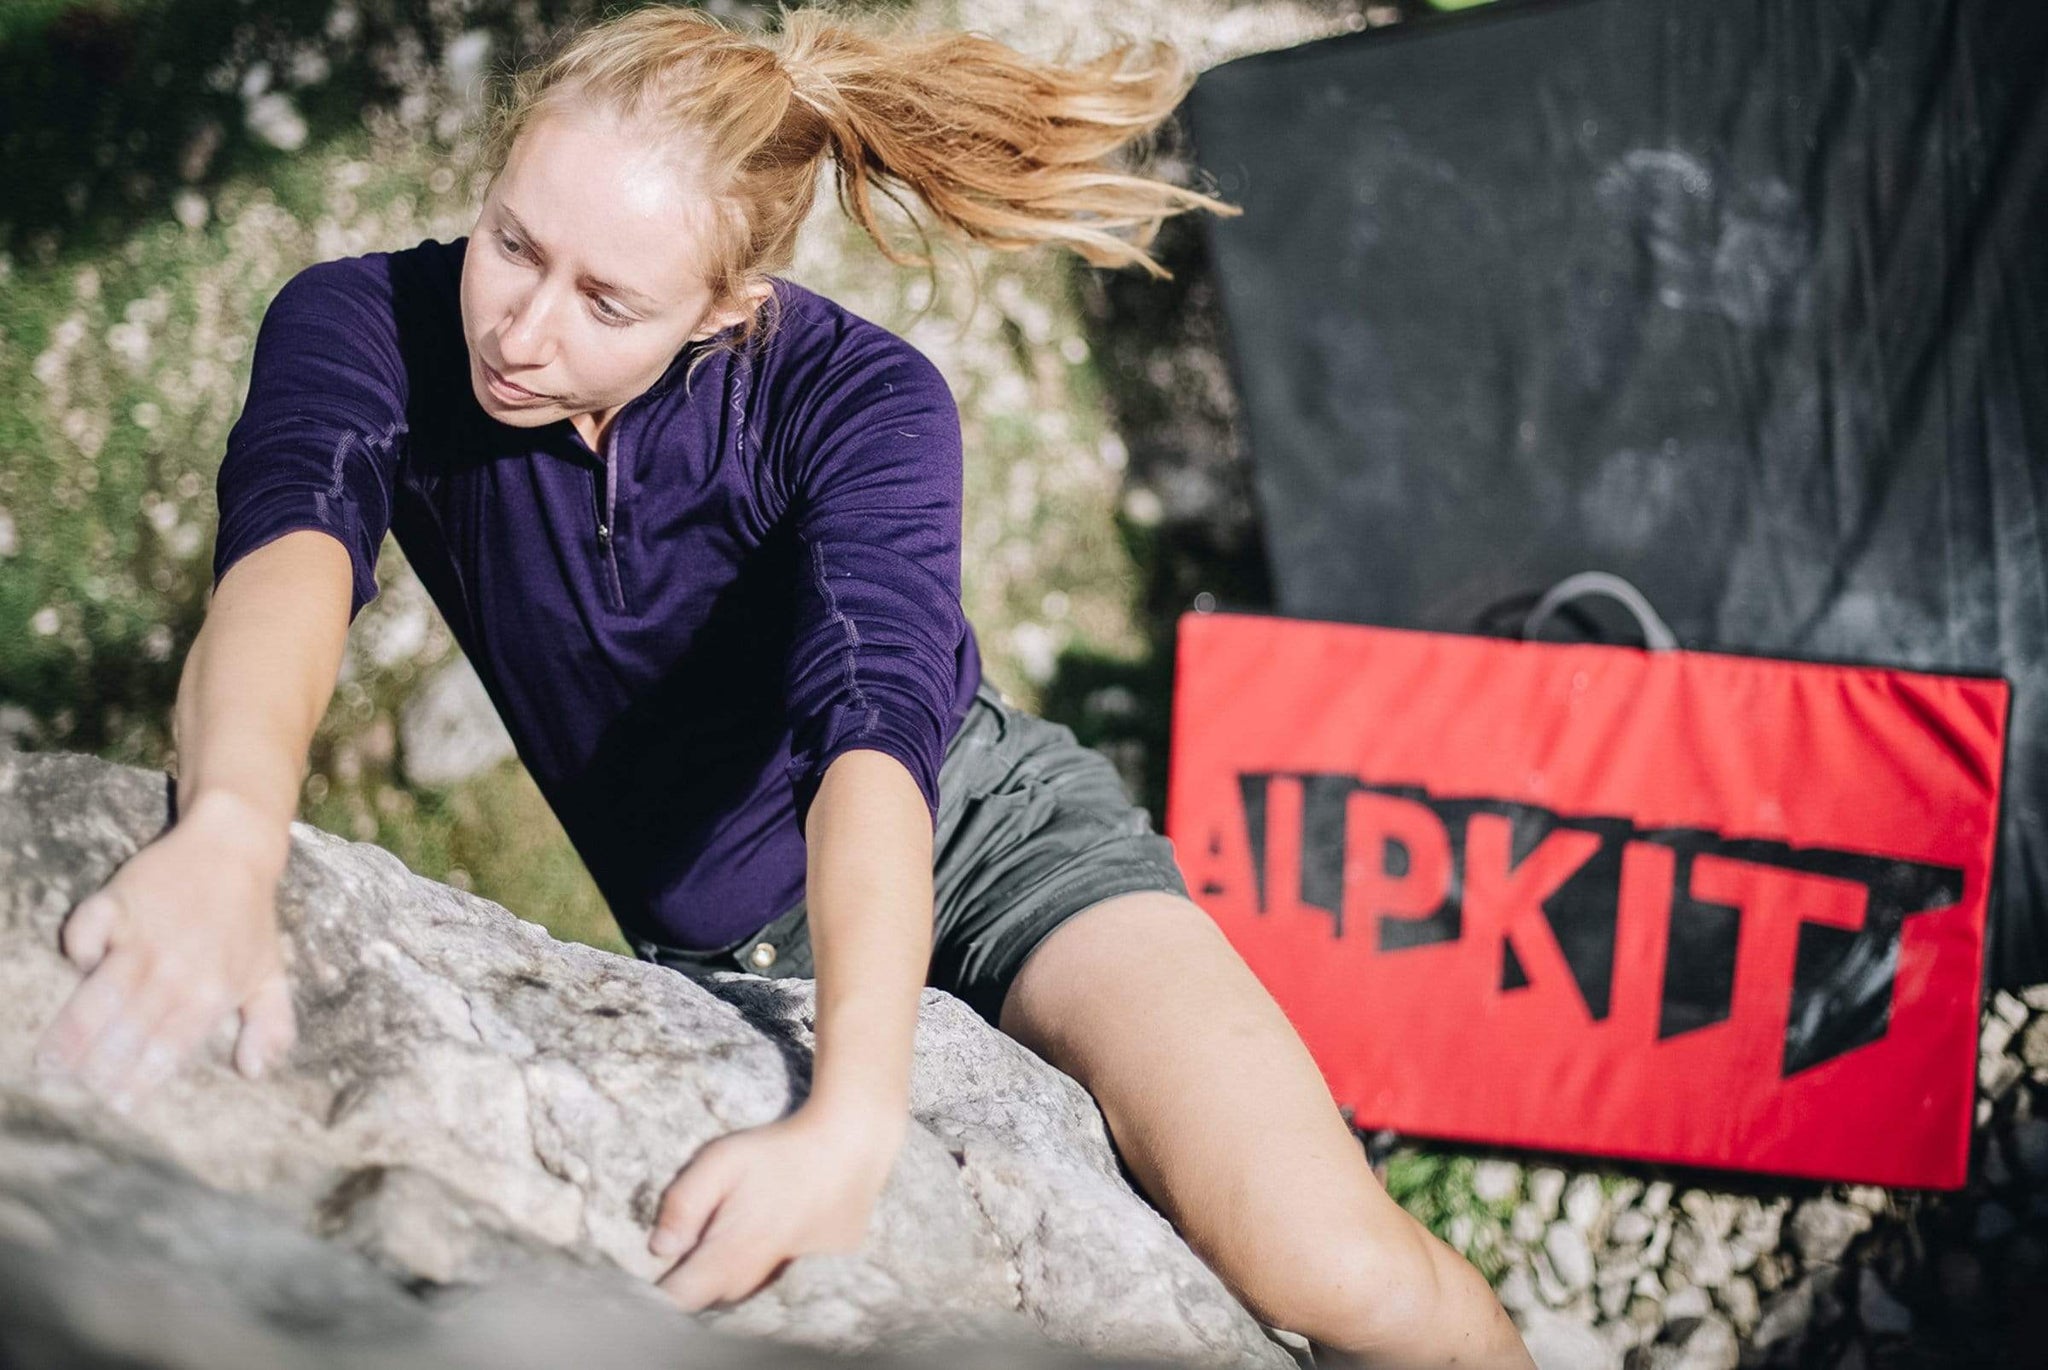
x=1003 y=150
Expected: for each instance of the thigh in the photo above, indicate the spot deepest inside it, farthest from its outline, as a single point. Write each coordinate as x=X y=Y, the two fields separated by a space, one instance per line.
x=1213 y=1101
x=1037 y=828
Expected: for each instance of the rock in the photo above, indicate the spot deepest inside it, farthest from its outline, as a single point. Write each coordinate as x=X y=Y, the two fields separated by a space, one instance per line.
x=1704 y=1342
x=1757 y=1226
x=1713 y=1213
x=1556 y=1342
x=1689 y=1302
x=1546 y=1187
x=448 y=730
x=1708 y=1261
x=2030 y=1146
x=1517 y=1290
x=1993 y=1170
x=1584 y=1203
x=1660 y=1240
x=1620 y=1335
x=1656 y=1198
x=1569 y=1255
x=2034 y=1048
x=1554 y=1290
x=2008 y=1008
x=477 y=1117
x=1996 y=1075
x=1526 y=1226
x=1739 y=1300
x=1823 y=1228
x=1880 y=1312
x=1773 y=1270
x=1786 y=1316
x=1495 y=1181
x=1631 y=1227
x=1994 y=1220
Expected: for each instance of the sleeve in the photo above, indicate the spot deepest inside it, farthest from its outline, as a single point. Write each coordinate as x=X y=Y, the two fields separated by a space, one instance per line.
x=320 y=435
x=877 y=503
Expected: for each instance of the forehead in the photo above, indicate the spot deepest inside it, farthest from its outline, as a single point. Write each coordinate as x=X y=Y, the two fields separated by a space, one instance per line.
x=601 y=199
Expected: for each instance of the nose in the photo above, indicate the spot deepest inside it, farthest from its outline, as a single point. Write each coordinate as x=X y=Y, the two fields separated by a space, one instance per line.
x=524 y=339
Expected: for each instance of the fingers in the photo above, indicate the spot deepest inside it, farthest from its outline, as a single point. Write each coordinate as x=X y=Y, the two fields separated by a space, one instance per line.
x=75 y=1033
x=687 y=1206
x=181 y=1029
x=87 y=930
x=727 y=1266
x=268 y=1027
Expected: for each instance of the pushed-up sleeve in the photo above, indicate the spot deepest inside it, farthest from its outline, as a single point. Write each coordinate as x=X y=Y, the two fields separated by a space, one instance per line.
x=879 y=624
x=320 y=435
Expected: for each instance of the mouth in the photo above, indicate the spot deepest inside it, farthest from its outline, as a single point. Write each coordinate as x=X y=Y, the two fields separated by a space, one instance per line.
x=507 y=390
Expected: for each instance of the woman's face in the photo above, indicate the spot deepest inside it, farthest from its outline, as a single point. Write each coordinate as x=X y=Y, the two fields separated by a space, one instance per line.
x=581 y=282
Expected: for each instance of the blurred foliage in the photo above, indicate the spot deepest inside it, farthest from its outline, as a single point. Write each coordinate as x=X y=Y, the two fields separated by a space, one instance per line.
x=108 y=107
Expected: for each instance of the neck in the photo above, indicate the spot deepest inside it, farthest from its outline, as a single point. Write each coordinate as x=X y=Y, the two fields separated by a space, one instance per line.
x=594 y=426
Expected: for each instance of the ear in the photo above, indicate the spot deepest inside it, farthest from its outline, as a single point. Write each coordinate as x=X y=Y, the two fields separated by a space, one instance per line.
x=724 y=319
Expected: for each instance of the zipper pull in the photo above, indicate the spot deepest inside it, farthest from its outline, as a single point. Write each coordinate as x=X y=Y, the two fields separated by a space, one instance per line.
x=604 y=535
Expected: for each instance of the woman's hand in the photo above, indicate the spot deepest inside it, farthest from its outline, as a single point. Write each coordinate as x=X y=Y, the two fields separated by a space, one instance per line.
x=750 y=1201
x=183 y=935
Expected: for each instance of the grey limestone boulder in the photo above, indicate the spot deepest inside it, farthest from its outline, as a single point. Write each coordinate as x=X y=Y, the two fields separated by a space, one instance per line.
x=461 y=1160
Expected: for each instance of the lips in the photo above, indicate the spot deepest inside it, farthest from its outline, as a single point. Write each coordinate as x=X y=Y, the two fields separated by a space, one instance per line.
x=505 y=388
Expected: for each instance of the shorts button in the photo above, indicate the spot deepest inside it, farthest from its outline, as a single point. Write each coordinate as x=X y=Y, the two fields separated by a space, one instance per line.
x=763 y=955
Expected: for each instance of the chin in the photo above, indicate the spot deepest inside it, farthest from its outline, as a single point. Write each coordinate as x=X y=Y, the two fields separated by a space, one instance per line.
x=521 y=416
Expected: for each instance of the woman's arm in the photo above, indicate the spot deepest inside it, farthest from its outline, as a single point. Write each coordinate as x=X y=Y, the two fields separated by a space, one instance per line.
x=869 y=897
x=749 y=1201
x=259 y=677
x=185 y=933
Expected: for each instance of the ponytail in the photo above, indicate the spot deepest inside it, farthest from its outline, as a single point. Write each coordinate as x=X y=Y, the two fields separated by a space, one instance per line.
x=1001 y=149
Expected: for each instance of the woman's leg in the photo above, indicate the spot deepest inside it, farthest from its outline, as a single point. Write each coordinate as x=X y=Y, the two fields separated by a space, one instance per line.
x=1221 y=1113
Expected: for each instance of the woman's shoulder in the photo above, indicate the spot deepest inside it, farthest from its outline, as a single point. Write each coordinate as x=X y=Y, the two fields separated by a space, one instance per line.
x=421 y=281
x=401 y=309
x=819 y=346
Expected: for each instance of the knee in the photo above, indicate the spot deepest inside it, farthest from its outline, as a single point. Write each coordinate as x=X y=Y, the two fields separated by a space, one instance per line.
x=1388 y=1300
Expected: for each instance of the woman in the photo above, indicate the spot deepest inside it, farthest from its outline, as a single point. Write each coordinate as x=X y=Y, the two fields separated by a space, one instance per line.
x=699 y=531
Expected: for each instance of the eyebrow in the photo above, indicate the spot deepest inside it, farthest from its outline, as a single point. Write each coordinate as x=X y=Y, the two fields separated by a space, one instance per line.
x=624 y=291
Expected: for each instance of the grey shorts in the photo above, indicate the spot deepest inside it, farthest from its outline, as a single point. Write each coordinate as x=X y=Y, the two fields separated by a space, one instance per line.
x=1033 y=827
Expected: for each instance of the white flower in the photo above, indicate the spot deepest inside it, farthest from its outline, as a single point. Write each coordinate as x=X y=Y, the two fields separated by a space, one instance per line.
x=191 y=208
x=273 y=117
x=46 y=620
x=132 y=345
x=1142 y=507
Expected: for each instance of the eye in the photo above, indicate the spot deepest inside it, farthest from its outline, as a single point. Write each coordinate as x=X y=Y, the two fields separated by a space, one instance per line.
x=611 y=315
x=510 y=244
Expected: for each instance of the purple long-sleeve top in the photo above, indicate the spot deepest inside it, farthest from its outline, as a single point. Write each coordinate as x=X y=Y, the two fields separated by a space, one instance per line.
x=759 y=572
